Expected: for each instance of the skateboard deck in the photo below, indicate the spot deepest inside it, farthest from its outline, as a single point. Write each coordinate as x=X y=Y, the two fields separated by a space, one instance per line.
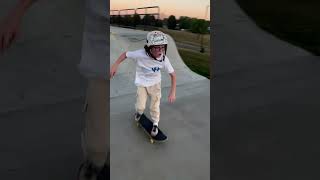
x=147 y=124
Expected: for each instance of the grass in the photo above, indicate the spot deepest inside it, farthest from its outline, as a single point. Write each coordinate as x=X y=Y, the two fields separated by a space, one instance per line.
x=187 y=37
x=197 y=62
x=297 y=22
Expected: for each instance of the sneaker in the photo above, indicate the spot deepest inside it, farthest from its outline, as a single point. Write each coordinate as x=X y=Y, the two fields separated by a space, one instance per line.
x=137 y=117
x=154 y=130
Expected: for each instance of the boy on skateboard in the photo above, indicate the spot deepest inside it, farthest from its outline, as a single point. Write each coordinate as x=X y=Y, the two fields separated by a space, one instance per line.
x=149 y=61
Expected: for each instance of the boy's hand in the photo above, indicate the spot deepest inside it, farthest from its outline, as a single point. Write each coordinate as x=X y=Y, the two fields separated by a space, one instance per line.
x=113 y=70
x=114 y=67
x=171 y=97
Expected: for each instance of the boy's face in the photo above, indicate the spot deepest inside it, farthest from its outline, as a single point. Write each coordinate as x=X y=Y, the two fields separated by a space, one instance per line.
x=157 y=51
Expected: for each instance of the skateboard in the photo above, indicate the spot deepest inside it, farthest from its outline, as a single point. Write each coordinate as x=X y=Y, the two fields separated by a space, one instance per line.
x=147 y=124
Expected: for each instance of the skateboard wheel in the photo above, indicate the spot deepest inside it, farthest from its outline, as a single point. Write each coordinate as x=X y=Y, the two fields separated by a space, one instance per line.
x=151 y=141
x=138 y=125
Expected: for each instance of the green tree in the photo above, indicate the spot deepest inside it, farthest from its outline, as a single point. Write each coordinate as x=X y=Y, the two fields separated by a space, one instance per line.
x=119 y=20
x=149 y=20
x=165 y=22
x=112 y=19
x=172 y=22
x=185 y=22
x=200 y=26
x=146 y=20
x=136 y=20
x=127 y=20
x=159 y=23
x=152 y=20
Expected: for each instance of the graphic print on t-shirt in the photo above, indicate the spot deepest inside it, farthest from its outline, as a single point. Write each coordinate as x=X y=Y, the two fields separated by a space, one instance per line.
x=154 y=69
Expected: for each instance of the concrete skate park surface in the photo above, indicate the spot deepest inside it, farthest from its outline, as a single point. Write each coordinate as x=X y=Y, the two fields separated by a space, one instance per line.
x=186 y=154
x=266 y=102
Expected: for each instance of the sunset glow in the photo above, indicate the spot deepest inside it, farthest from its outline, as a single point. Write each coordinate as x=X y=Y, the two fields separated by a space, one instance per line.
x=190 y=8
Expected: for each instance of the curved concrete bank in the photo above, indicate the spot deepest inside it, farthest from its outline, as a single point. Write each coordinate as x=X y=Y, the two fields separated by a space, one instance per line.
x=266 y=100
x=186 y=154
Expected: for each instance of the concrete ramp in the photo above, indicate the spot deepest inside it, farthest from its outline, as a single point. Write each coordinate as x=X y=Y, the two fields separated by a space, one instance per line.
x=186 y=154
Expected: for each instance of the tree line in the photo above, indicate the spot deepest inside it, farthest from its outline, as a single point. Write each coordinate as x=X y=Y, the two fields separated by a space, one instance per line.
x=194 y=25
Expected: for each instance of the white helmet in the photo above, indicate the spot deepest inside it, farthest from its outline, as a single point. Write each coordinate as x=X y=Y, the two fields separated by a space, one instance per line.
x=156 y=38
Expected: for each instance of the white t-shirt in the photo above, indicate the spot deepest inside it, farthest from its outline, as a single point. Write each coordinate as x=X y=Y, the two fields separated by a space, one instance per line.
x=148 y=69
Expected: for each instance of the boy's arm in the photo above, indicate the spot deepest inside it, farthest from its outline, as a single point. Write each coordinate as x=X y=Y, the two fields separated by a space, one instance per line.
x=115 y=65
x=9 y=27
x=172 y=94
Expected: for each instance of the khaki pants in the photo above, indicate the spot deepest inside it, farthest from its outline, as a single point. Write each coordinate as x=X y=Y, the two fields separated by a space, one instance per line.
x=95 y=136
x=154 y=92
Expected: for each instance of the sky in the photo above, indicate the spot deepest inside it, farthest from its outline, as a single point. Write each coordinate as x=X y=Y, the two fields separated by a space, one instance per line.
x=190 y=8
